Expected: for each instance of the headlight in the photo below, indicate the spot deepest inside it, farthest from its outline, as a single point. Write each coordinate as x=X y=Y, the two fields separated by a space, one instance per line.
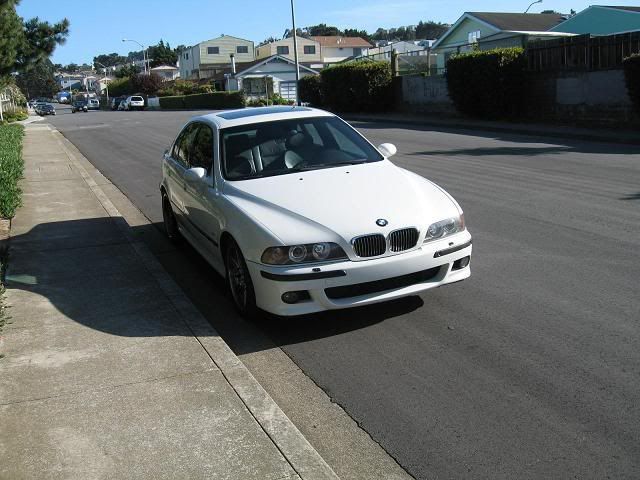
x=444 y=228
x=310 y=252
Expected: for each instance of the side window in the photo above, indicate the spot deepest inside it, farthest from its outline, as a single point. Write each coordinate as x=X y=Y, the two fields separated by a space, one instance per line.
x=183 y=145
x=202 y=152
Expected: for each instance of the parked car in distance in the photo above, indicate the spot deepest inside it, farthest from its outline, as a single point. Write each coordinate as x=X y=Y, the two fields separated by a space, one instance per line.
x=93 y=104
x=134 y=102
x=45 y=109
x=116 y=101
x=79 y=106
x=300 y=213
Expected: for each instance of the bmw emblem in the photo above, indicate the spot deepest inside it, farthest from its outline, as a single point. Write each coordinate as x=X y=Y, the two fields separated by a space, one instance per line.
x=381 y=222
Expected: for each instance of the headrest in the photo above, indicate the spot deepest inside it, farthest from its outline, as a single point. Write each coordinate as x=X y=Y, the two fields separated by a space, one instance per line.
x=236 y=144
x=298 y=140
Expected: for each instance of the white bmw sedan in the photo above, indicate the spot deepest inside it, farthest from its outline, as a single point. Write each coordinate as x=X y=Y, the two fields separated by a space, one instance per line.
x=300 y=213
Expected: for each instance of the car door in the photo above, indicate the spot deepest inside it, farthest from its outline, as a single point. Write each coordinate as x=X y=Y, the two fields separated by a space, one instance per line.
x=176 y=165
x=201 y=194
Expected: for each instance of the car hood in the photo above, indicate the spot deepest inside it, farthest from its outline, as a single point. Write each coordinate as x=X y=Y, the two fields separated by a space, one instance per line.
x=341 y=203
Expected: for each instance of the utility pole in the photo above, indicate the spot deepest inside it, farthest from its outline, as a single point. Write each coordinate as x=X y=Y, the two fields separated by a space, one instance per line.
x=295 y=52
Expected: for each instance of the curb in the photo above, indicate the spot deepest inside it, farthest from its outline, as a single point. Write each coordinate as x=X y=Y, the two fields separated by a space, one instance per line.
x=293 y=446
x=521 y=129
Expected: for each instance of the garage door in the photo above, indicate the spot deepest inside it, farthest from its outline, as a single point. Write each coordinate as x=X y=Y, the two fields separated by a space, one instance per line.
x=288 y=90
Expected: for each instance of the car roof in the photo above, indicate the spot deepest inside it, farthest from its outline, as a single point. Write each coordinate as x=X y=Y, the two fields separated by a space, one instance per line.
x=247 y=116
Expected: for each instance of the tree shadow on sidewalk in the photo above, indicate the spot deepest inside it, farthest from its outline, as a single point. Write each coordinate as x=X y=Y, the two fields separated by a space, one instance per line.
x=90 y=272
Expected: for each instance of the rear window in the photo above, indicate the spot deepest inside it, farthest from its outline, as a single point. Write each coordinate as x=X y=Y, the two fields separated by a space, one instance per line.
x=137 y=99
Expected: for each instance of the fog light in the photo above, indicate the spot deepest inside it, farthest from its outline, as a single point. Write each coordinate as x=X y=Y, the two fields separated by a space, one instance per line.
x=461 y=263
x=295 y=297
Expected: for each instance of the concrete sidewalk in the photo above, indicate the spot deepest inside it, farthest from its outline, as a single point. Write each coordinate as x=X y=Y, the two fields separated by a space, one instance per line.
x=108 y=370
x=534 y=129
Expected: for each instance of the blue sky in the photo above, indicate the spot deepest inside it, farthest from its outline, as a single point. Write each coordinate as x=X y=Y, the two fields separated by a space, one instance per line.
x=100 y=26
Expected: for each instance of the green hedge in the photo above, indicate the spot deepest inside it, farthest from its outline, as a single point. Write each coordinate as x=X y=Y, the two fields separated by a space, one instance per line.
x=172 y=103
x=311 y=90
x=360 y=86
x=631 y=66
x=214 y=100
x=11 y=168
x=489 y=83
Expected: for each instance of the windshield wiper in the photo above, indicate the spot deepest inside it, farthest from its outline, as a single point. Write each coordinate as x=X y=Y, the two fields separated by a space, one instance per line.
x=316 y=166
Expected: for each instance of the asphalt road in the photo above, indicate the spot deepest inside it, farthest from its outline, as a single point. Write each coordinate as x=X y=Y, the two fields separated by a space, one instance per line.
x=529 y=369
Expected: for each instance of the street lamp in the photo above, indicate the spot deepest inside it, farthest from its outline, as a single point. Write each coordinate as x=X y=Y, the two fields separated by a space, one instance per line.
x=106 y=81
x=144 y=55
x=295 y=52
x=532 y=4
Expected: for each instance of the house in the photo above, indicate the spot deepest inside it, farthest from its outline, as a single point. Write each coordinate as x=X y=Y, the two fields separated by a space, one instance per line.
x=308 y=50
x=504 y=30
x=166 y=72
x=334 y=49
x=601 y=20
x=402 y=47
x=208 y=58
x=276 y=73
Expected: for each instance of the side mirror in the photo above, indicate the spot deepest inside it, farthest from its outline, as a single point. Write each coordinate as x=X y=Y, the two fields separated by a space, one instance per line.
x=388 y=149
x=195 y=173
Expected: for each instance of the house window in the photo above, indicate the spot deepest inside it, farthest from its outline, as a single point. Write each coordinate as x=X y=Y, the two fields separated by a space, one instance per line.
x=213 y=50
x=309 y=49
x=474 y=36
x=186 y=56
x=242 y=49
x=282 y=50
x=357 y=52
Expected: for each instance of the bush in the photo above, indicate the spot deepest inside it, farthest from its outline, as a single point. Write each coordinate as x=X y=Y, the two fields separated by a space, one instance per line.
x=360 y=86
x=631 y=66
x=120 y=87
x=274 y=99
x=11 y=168
x=172 y=103
x=216 y=100
x=185 y=87
x=16 y=116
x=488 y=84
x=311 y=90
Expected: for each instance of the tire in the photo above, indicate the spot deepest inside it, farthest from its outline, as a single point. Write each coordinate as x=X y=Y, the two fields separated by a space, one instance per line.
x=239 y=282
x=170 y=222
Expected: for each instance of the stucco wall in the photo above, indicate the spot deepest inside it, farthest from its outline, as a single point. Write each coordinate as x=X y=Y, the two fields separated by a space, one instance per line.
x=593 y=98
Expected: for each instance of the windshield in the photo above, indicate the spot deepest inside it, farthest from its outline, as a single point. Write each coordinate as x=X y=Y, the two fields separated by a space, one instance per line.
x=287 y=146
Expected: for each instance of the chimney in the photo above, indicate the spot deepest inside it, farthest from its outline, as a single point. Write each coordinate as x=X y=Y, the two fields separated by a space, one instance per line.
x=233 y=63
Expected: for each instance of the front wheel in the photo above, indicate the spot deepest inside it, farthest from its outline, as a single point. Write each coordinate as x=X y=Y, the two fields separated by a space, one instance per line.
x=239 y=281
x=170 y=223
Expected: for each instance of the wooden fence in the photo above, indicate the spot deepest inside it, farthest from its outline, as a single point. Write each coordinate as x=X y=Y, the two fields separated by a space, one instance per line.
x=582 y=52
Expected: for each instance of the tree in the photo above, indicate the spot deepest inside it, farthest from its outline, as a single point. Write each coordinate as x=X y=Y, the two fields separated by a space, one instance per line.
x=268 y=40
x=430 y=30
x=127 y=71
x=162 y=54
x=146 y=83
x=39 y=80
x=24 y=44
x=353 y=32
x=299 y=32
x=108 y=60
x=322 y=29
x=70 y=68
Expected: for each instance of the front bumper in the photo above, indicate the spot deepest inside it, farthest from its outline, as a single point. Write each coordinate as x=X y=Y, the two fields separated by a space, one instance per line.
x=409 y=273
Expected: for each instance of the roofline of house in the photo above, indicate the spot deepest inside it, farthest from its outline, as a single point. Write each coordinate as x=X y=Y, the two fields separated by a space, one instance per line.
x=618 y=8
x=272 y=57
x=464 y=16
x=223 y=36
